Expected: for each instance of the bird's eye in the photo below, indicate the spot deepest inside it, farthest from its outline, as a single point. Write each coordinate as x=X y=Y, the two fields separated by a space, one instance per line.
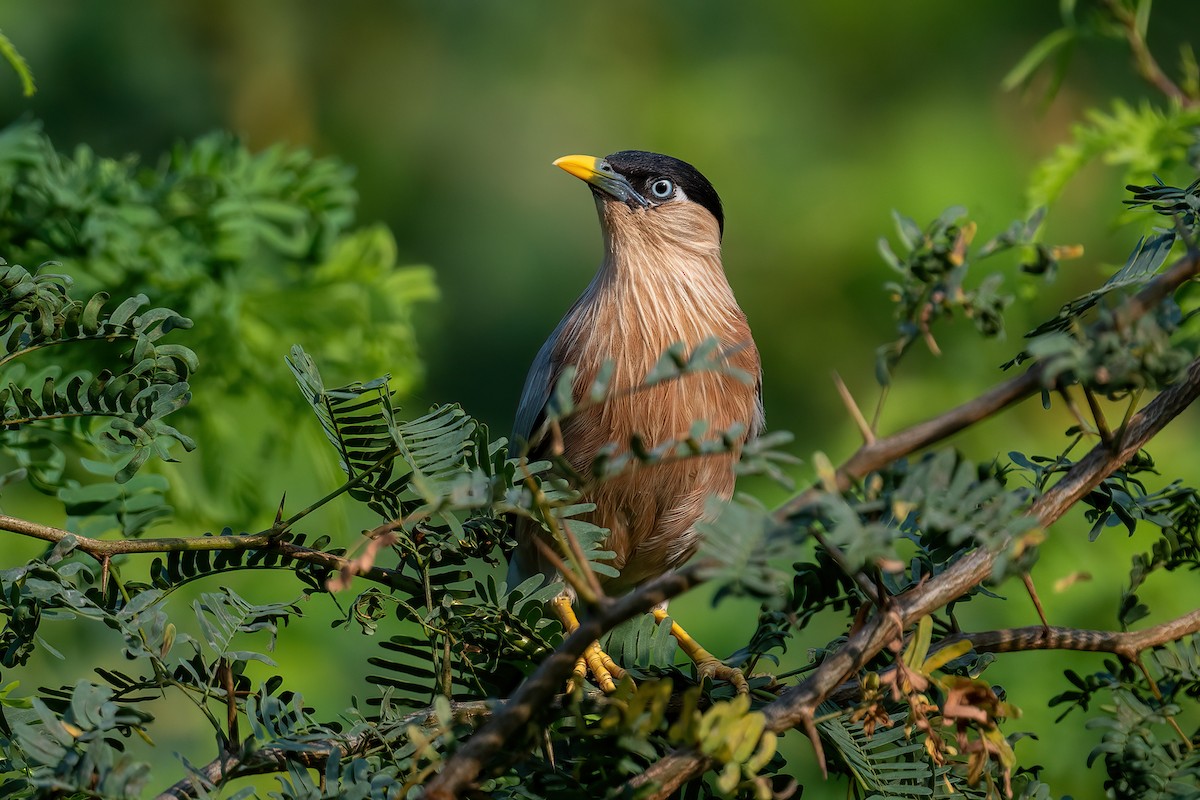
x=662 y=188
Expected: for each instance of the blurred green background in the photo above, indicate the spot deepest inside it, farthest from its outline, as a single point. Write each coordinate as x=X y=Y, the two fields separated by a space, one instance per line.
x=813 y=120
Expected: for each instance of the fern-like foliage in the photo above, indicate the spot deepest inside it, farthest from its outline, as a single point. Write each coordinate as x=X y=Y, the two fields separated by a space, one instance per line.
x=146 y=379
x=79 y=750
x=180 y=567
x=1143 y=748
x=394 y=467
x=890 y=762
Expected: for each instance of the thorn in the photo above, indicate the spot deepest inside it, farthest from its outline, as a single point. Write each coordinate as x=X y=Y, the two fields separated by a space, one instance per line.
x=582 y=590
x=104 y=564
x=279 y=512
x=1037 y=602
x=810 y=729
x=1098 y=415
x=864 y=429
x=1084 y=426
x=548 y=747
x=883 y=393
x=556 y=441
x=1134 y=399
x=581 y=562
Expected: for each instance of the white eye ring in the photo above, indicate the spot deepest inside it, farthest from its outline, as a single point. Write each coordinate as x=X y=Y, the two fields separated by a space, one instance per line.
x=662 y=188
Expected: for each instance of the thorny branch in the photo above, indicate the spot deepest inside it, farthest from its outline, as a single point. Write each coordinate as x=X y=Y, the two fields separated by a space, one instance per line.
x=104 y=549
x=795 y=706
x=275 y=759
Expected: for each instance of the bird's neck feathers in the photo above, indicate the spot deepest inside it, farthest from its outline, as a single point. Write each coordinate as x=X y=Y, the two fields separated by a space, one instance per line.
x=676 y=236
x=661 y=282
x=663 y=255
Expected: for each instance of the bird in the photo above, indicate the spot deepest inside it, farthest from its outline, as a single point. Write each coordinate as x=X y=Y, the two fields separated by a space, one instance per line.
x=660 y=282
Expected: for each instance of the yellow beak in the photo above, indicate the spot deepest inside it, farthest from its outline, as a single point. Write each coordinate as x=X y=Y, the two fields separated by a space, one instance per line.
x=585 y=168
x=597 y=173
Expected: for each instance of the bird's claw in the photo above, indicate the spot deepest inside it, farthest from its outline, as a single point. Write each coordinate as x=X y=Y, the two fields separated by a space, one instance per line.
x=713 y=669
x=606 y=673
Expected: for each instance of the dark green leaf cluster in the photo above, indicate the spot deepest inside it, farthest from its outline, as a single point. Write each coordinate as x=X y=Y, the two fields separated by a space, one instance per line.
x=933 y=265
x=943 y=504
x=1141 y=746
x=79 y=750
x=399 y=469
x=1123 y=500
x=448 y=487
x=903 y=525
x=751 y=551
x=1110 y=356
x=1181 y=205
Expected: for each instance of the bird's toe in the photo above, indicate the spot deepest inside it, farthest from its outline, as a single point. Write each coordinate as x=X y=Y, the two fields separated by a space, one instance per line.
x=605 y=671
x=719 y=670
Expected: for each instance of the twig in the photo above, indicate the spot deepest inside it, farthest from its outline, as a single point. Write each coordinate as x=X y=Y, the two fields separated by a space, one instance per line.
x=1144 y=61
x=1127 y=644
x=102 y=549
x=1027 y=579
x=547 y=552
x=1098 y=416
x=796 y=705
x=864 y=429
x=276 y=759
x=463 y=768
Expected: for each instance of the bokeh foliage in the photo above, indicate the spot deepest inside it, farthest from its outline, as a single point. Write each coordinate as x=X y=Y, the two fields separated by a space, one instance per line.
x=500 y=278
x=257 y=250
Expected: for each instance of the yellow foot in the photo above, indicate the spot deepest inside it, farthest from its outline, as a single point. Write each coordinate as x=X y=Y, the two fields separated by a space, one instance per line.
x=707 y=665
x=605 y=671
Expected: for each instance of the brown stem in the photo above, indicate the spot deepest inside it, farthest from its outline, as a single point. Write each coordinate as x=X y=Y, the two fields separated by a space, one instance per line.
x=1127 y=644
x=535 y=692
x=1144 y=61
x=314 y=756
x=462 y=769
x=104 y=549
x=796 y=705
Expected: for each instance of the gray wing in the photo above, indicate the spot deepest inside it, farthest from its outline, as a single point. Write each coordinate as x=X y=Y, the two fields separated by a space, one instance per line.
x=539 y=382
x=525 y=560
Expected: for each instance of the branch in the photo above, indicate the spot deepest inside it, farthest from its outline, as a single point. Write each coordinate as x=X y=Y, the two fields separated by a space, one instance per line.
x=464 y=766
x=795 y=706
x=102 y=549
x=275 y=759
x=1127 y=644
x=1144 y=61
